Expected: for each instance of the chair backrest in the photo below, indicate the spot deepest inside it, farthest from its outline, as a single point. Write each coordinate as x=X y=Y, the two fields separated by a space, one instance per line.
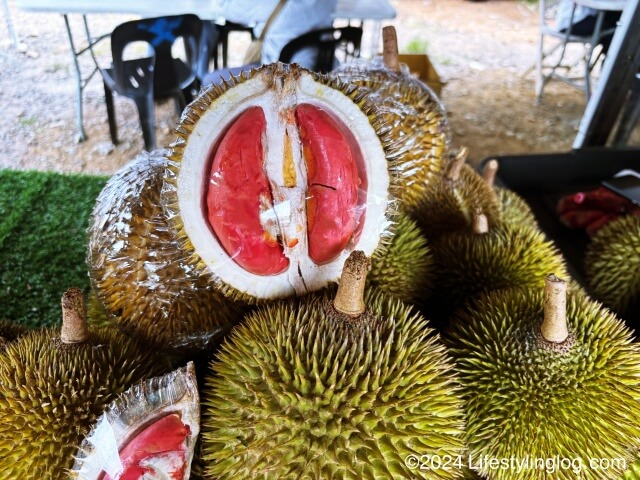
x=160 y=33
x=345 y=41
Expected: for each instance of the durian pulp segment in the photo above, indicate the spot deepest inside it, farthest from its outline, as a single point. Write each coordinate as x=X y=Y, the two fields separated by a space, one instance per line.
x=287 y=216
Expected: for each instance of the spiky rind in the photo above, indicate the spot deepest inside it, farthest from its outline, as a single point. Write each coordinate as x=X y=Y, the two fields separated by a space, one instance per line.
x=190 y=118
x=52 y=393
x=633 y=472
x=612 y=264
x=525 y=401
x=404 y=269
x=449 y=205
x=139 y=272
x=299 y=393
x=514 y=208
x=509 y=255
x=413 y=117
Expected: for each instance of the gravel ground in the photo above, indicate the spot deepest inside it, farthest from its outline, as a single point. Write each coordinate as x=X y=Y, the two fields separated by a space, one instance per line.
x=482 y=51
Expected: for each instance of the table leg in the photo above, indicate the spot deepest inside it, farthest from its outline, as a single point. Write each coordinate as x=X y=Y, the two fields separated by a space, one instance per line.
x=12 y=31
x=82 y=135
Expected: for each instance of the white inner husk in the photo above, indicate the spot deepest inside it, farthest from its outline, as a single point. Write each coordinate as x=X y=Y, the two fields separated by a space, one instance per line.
x=288 y=211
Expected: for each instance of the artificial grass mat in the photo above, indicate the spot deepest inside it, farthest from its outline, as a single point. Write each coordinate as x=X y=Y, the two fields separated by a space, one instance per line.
x=44 y=218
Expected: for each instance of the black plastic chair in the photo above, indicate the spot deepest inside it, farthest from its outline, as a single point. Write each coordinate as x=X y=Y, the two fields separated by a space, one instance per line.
x=342 y=43
x=156 y=75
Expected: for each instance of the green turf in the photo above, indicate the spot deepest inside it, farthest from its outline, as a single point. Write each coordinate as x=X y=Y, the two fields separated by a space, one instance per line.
x=43 y=230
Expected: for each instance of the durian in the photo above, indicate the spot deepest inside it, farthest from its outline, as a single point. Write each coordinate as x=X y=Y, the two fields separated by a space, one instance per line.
x=139 y=273
x=478 y=259
x=275 y=178
x=452 y=200
x=514 y=208
x=331 y=388
x=612 y=265
x=547 y=375
x=55 y=383
x=413 y=117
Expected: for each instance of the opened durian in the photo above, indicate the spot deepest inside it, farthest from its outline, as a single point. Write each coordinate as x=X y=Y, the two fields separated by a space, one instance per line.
x=321 y=387
x=514 y=208
x=277 y=176
x=551 y=381
x=455 y=196
x=140 y=275
x=411 y=114
x=612 y=265
x=55 y=383
x=483 y=258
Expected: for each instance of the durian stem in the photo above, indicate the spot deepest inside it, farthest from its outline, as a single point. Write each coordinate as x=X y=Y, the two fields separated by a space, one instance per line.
x=554 y=326
x=489 y=171
x=453 y=170
x=74 y=322
x=390 y=48
x=350 y=296
x=480 y=224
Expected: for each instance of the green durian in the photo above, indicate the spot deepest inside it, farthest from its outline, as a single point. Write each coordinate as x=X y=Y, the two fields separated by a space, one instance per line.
x=331 y=388
x=612 y=265
x=547 y=375
x=55 y=383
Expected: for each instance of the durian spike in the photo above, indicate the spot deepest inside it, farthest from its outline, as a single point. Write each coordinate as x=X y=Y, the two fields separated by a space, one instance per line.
x=480 y=224
x=350 y=295
x=74 y=322
x=489 y=171
x=554 y=326
x=390 y=48
x=453 y=169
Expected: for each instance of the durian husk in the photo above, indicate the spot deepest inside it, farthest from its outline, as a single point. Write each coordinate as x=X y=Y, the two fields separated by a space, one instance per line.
x=139 y=273
x=297 y=393
x=53 y=392
x=192 y=115
x=612 y=265
x=527 y=398
x=413 y=118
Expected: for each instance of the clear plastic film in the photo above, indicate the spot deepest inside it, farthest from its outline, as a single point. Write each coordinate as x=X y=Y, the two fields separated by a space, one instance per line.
x=140 y=274
x=150 y=429
x=413 y=119
x=273 y=183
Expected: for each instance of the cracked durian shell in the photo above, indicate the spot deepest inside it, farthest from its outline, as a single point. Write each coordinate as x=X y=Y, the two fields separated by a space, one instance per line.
x=140 y=275
x=297 y=392
x=243 y=190
x=414 y=118
x=612 y=264
x=527 y=397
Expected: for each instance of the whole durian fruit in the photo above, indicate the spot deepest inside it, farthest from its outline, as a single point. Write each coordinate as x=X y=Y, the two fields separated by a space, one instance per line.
x=55 y=383
x=319 y=388
x=276 y=177
x=413 y=117
x=514 y=208
x=142 y=280
x=612 y=265
x=455 y=196
x=550 y=380
x=479 y=259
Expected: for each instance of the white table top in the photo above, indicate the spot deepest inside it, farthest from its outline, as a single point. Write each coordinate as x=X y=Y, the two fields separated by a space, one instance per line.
x=205 y=9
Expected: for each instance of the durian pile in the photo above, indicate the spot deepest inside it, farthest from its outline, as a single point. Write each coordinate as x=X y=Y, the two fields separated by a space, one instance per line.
x=311 y=282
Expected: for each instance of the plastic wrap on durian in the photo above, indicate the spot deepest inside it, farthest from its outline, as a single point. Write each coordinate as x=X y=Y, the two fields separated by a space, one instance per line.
x=140 y=275
x=275 y=178
x=150 y=431
x=413 y=118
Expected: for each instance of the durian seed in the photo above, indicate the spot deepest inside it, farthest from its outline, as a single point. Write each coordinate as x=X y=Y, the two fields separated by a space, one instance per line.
x=390 y=48
x=74 y=322
x=554 y=326
x=350 y=295
x=489 y=171
x=480 y=224
x=453 y=169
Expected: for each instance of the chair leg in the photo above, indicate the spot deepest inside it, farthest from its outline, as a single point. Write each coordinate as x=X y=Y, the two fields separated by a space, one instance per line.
x=146 y=111
x=111 y=115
